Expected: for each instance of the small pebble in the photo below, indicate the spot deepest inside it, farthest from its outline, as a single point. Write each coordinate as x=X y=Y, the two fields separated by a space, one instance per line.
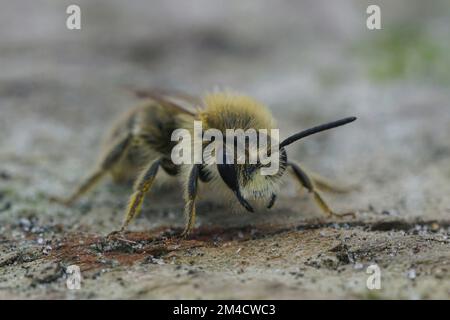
x=358 y=266
x=153 y=260
x=411 y=274
x=25 y=224
x=47 y=250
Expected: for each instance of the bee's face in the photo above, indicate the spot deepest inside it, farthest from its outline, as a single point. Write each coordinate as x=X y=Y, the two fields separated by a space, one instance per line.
x=248 y=183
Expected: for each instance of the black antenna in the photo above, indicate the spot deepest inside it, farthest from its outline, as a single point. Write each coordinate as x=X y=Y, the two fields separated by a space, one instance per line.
x=313 y=130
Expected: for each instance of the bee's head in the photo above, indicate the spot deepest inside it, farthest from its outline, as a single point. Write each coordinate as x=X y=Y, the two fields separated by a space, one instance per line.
x=247 y=180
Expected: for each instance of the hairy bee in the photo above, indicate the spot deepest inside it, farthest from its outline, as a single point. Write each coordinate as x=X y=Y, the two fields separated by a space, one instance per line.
x=140 y=145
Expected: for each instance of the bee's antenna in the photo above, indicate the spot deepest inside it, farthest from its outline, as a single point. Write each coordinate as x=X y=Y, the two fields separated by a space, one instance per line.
x=313 y=130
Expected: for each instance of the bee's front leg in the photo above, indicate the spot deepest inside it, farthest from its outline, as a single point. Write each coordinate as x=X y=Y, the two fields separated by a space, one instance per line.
x=306 y=182
x=190 y=197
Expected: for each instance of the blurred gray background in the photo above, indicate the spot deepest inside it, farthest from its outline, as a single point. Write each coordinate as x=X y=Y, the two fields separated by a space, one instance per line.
x=309 y=61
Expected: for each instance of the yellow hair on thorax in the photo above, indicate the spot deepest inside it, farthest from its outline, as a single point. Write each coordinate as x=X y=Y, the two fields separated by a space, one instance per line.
x=226 y=110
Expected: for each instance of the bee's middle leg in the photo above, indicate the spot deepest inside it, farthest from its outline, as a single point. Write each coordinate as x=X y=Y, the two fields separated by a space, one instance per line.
x=141 y=187
x=306 y=182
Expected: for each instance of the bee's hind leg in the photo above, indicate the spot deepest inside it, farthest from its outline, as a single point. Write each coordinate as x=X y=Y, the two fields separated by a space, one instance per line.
x=307 y=182
x=324 y=184
x=108 y=161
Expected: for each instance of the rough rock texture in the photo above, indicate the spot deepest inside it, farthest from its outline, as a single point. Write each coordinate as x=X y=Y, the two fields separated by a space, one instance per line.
x=310 y=62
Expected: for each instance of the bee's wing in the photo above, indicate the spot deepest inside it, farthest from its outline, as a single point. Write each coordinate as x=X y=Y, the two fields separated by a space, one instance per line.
x=181 y=101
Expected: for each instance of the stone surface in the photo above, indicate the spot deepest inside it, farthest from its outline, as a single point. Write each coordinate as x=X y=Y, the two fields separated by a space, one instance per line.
x=310 y=62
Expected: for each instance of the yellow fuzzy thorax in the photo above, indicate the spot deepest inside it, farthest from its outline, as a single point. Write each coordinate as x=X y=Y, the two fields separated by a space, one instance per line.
x=227 y=110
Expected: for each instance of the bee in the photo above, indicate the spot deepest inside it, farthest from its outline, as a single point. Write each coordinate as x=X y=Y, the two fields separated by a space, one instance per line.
x=140 y=145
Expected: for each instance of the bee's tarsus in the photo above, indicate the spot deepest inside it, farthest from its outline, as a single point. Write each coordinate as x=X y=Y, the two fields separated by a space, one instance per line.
x=62 y=201
x=343 y=215
x=114 y=233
